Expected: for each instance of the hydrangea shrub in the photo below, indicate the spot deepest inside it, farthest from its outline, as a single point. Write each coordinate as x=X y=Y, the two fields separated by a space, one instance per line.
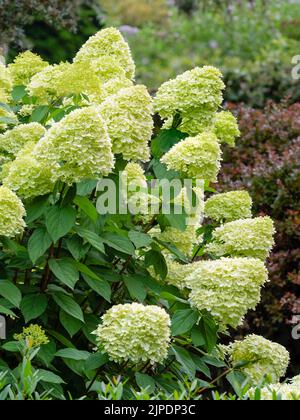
x=148 y=296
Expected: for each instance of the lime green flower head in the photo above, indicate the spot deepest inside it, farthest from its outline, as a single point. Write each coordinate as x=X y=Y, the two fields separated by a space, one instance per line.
x=135 y=175
x=128 y=116
x=12 y=141
x=196 y=157
x=136 y=333
x=78 y=147
x=28 y=176
x=248 y=238
x=229 y=206
x=5 y=83
x=11 y=213
x=65 y=79
x=107 y=43
x=178 y=273
x=25 y=66
x=226 y=127
x=196 y=90
x=34 y=336
x=265 y=358
x=227 y=288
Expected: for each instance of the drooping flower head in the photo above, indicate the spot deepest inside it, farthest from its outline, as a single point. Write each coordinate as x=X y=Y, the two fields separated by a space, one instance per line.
x=198 y=90
x=229 y=206
x=12 y=141
x=134 y=332
x=227 y=288
x=24 y=66
x=11 y=213
x=107 y=43
x=78 y=147
x=265 y=358
x=5 y=83
x=34 y=336
x=128 y=116
x=196 y=157
x=248 y=238
x=28 y=176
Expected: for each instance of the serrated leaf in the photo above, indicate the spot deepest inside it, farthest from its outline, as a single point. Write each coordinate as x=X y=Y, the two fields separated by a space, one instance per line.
x=118 y=242
x=39 y=113
x=185 y=360
x=100 y=286
x=87 y=207
x=73 y=354
x=92 y=238
x=72 y=325
x=183 y=321
x=95 y=361
x=65 y=271
x=135 y=287
x=140 y=239
x=68 y=304
x=10 y=292
x=33 y=306
x=36 y=208
x=38 y=244
x=59 y=221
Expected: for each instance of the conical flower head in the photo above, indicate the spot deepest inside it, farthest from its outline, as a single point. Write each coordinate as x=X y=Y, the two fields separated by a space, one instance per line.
x=11 y=213
x=78 y=147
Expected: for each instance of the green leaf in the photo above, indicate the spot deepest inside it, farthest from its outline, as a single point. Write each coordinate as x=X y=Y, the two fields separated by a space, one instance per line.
x=201 y=365
x=39 y=113
x=183 y=321
x=92 y=238
x=69 y=305
x=95 y=361
x=165 y=141
x=47 y=376
x=156 y=260
x=6 y=311
x=65 y=271
x=118 y=242
x=84 y=269
x=209 y=330
x=140 y=239
x=145 y=382
x=76 y=247
x=10 y=292
x=86 y=187
x=33 y=306
x=100 y=286
x=18 y=93
x=87 y=207
x=172 y=248
x=12 y=346
x=136 y=288
x=73 y=354
x=185 y=360
x=38 y=244
x=36 y=208
x=197 y=337
x=59 y=221
x=70 y=324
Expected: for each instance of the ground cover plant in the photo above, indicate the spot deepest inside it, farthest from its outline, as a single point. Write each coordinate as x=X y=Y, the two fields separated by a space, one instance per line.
x=104 y=303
